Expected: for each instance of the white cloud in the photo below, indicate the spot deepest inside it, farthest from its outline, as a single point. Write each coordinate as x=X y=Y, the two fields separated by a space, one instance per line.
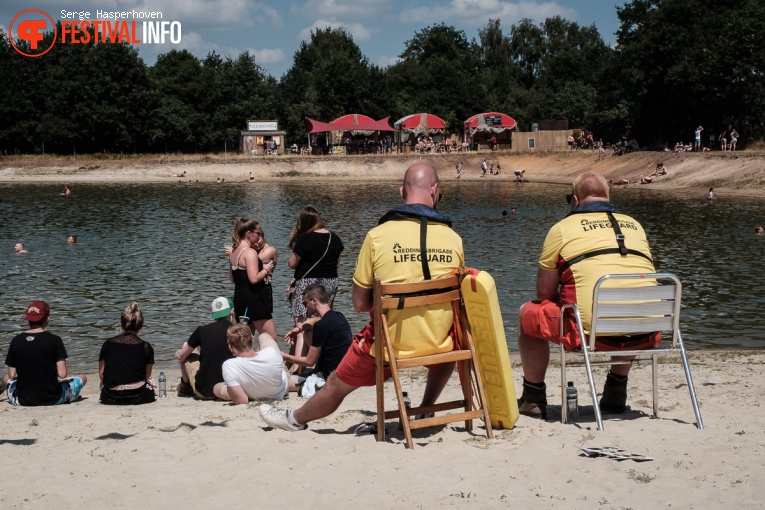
x=265 y=56
x=199 y=47
x=384 y=61
x=479 y=11
x=358 y=31
x=269 y=16
x=343 y=9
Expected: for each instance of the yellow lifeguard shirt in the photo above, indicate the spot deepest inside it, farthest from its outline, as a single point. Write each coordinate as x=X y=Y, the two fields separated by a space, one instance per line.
x=391 y=252
x=581 y=233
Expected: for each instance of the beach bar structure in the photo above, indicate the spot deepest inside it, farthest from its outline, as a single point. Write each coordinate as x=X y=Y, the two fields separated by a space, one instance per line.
x=418 y=124
x=483 y=127
x=262 y=137
x=545 y=136
x=337 y=131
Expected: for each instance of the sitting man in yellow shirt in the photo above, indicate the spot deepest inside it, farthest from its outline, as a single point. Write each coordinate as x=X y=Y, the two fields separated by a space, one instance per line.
x=392 y=252
x=591 y=241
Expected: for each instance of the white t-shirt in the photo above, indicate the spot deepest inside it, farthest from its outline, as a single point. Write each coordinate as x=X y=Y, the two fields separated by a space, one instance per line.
x=261 y=376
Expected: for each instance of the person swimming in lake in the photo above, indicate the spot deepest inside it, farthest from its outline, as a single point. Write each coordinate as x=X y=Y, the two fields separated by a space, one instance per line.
x=66 y=192
x=759 y=230
x=71 y=240
x=19 y=248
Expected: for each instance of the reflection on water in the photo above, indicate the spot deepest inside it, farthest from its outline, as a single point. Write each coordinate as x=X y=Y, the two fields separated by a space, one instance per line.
x=161 y=244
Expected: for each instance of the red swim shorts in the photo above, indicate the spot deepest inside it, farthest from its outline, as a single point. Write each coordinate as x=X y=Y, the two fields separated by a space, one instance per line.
x=357 y=368
x=542 y=320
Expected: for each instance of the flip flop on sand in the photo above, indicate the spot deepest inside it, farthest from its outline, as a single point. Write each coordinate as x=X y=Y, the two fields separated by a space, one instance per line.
x=366 y=429
x=613 y=453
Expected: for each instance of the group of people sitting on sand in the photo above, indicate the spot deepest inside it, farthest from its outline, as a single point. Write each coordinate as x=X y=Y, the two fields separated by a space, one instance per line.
x=218 y=361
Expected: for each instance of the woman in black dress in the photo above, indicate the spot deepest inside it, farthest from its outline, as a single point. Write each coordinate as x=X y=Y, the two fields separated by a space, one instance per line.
x=251 y=276
x=315 y=256
x=125 y=363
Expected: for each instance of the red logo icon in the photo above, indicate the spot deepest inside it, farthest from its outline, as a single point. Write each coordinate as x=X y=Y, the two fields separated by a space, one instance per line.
x=32 y=29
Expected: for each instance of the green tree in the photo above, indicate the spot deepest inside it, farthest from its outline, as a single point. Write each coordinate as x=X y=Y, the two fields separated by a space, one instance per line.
x=329 y=77
x=562 y=66
x=179 y=123
x=682 y=63
x=19 y=113
x=241 y=91
x=440 y=72
x=504 y=89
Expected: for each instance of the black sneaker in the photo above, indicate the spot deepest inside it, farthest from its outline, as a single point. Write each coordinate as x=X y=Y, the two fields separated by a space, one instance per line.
x=614 y=399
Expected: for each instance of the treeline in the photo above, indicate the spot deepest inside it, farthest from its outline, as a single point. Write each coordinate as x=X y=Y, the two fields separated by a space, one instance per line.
x=677 y=64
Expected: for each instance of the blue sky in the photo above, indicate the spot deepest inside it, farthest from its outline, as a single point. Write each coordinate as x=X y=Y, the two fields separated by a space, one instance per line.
x=272 y=31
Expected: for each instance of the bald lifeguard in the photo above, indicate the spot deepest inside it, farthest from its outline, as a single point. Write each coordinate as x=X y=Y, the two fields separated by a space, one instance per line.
x=589 y=187
x=420 y=185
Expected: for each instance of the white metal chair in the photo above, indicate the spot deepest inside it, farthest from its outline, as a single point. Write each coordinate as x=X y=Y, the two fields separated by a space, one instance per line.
x=632 y=310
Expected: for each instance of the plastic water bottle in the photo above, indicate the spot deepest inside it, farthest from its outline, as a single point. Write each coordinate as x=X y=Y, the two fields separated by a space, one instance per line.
x=162 y=385
x=572 y=402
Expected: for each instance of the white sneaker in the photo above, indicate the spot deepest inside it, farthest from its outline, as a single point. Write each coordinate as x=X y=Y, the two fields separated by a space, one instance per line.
x=277 y=418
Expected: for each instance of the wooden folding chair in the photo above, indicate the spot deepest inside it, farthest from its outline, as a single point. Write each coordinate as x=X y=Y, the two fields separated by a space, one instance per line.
x=397 y=296
x=630 y=310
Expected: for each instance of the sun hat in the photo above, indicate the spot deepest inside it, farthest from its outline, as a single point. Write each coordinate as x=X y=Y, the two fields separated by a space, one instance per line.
x=221 y=307
x=37 y=311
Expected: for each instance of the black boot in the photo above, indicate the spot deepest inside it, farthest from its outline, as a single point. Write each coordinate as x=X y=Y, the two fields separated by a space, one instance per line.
x=533 y=401
x=614 y=399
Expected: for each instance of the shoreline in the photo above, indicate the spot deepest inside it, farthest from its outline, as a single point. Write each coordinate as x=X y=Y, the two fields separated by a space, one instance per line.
x=738 y=173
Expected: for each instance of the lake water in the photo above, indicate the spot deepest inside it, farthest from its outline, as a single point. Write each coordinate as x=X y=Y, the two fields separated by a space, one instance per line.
x=161 y=245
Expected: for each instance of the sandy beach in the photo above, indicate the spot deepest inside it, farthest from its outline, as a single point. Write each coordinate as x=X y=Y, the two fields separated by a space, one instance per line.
x=183 y=453
x=734 y=173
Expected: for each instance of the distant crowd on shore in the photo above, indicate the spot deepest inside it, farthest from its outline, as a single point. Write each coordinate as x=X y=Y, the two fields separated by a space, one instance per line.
x=727 y=140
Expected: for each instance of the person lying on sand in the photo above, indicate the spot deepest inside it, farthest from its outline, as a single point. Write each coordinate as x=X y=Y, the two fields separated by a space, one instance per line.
x=182 y=174
x=646 y=180
x=660 y=170
x=618 y=182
